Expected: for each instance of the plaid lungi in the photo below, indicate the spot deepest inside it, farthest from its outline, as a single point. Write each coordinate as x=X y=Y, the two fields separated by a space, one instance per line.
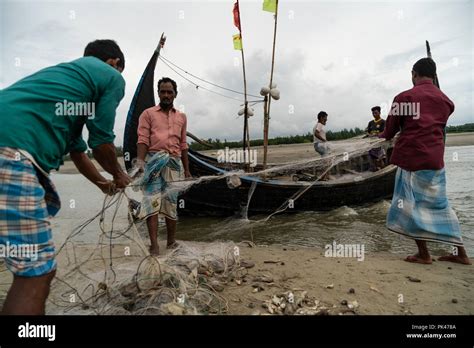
x=27 y=200
x=420 y=208
x=158 y=196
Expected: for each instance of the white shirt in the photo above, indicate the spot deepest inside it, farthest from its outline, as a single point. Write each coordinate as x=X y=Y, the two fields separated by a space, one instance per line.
x=320 y=128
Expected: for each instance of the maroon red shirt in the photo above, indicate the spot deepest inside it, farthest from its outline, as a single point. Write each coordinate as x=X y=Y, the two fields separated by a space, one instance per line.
x=420 y=114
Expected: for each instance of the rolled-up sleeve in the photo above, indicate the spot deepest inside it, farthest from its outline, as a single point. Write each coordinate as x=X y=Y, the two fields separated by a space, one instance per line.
x=183 y=145
x=144 y=128
x=78 y=145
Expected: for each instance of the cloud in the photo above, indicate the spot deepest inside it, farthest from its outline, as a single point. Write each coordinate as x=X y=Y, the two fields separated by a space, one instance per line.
x=339 y=57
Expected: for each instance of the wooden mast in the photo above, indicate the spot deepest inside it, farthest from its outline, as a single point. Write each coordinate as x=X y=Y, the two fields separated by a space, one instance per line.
x=428 y=53
x=246 y=135
x=266 y=108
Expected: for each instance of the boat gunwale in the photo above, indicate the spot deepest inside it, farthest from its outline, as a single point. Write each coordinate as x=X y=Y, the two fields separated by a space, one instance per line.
x=289 y=184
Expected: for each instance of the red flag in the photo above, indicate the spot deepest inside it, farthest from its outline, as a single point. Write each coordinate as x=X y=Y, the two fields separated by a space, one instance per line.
x=236 y=15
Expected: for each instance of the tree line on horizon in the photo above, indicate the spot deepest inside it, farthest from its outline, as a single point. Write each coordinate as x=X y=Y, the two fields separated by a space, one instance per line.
x=291 y=139
x=305 y=138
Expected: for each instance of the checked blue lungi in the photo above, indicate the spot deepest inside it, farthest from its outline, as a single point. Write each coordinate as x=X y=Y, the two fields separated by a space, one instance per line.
x=27 y=201
x=420 y=207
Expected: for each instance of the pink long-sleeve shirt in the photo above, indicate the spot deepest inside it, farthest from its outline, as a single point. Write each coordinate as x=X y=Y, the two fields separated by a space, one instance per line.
x=160 y=131
x=421 y=144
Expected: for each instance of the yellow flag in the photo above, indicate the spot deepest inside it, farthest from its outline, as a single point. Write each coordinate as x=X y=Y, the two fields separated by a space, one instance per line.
x=269 y=5
x=237 y=42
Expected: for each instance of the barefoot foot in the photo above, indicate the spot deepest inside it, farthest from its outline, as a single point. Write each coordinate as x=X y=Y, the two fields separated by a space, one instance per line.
x=456 y=259
x=418 y=259
x=154 y=250
x=172 y=245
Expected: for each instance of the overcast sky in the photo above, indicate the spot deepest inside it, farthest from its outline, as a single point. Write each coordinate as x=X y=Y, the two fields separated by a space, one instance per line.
x=339 y=56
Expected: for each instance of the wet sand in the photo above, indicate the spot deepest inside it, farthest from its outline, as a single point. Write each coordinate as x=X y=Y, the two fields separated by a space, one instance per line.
x=380 y=283
x=290 y=152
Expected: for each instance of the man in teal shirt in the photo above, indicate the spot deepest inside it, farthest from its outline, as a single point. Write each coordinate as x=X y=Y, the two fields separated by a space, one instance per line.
x=42 y=118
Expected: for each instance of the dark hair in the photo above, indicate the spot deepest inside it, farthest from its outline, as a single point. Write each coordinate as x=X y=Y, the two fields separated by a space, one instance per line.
x=104 y=50
x=425 y=67
x=376 y=108
x=165 y=80
x=321 y=114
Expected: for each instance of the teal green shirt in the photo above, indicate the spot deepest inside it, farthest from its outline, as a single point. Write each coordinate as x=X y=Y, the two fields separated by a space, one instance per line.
x=45 y=113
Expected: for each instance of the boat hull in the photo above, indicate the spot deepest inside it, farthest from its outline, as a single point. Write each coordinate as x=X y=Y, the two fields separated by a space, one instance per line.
x=215 y=198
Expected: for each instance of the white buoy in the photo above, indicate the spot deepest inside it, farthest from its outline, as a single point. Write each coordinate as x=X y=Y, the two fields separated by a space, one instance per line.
x=275 y=93
x=264 y=91
x=250 y=112
x=241 y=112
x=274 y=85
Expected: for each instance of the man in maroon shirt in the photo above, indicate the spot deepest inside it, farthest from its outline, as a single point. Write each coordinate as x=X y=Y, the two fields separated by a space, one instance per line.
x=420 y=208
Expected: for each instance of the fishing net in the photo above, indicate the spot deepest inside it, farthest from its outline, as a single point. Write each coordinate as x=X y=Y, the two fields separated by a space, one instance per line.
x=115 y=274
x=341 y=152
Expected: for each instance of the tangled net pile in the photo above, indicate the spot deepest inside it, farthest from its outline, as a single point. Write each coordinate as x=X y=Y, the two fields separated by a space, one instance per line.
x=118 y=276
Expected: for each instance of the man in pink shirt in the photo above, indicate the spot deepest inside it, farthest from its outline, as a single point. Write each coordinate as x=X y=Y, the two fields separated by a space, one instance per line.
x=162 y=152
x=420 y=207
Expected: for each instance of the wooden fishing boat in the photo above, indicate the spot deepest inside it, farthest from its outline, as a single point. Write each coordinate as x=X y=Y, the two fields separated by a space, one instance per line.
x=352 y=184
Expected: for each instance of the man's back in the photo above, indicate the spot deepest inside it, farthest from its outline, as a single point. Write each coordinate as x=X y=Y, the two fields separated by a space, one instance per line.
x=422 y=113
x=40 y=112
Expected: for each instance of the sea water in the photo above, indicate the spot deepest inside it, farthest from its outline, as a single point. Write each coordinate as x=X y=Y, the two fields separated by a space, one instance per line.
x=363 y=225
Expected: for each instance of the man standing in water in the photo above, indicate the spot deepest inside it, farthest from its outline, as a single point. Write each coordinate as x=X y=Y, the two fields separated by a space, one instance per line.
x=162 y=153
x=42 y=117
x=420 y=208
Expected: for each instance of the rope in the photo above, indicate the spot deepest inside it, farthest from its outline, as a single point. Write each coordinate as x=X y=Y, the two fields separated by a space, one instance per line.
x=211 y=83
x=204 y=88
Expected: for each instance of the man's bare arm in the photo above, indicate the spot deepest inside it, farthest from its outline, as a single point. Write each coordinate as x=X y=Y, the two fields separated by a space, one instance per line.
x=142 y=150
x=106 y=155
x=185 y=160
x=88 y=169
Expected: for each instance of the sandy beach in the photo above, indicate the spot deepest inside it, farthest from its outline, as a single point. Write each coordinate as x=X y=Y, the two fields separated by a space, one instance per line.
x=380 y=284
x=286 y=153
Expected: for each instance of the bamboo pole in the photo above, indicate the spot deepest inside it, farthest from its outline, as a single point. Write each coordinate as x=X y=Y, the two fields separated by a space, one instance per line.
x=198 y=140
x=266 y=118
x=428 y=53
x=246 y=135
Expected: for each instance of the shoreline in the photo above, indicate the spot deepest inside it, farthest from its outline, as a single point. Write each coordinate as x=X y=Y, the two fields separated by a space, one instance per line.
x=284 y=153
